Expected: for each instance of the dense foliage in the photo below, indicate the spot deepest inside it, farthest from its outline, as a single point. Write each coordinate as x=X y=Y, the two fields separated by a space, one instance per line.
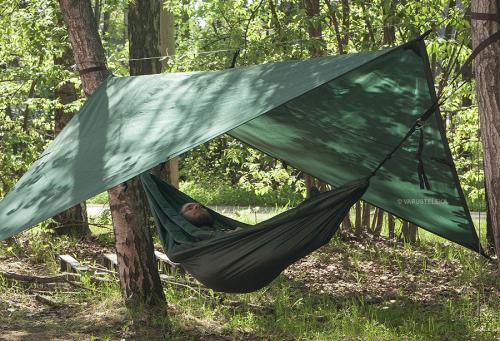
x=208 y=36
x=360 y=286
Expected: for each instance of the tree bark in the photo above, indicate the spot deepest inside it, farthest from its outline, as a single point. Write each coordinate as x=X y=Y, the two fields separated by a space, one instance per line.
x=170 y=170
x=144 y=39
x=275 y=21
x=409 y=232
x=97 y=12
x=413 y=229
x=487 y=74
x=143 y=35
x=314 y=28
x=368 y=24
x=404 y=231
x=346 y=223
x=137 y=267
x=380 y=222
x=73 y=221
x=315 y=50
x=357 y=220
x=365 y=219
x=335 y=23
x=490 y=237
x=106 y=16
x=391 y=225
x=346 y=22
x=374 y=220
x=389 y=29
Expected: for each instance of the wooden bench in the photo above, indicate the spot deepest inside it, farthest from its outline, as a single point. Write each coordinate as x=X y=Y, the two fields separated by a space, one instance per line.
x=70 y=264
x=165 y=265
x=110 y=261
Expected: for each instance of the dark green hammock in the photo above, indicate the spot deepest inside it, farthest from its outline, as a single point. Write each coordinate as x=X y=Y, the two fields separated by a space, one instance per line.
x=249 y=259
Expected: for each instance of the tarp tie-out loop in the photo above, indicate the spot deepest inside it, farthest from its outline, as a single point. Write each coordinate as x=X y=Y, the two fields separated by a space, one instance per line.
x=422 y=177
x=419 y=124
x=92 y=69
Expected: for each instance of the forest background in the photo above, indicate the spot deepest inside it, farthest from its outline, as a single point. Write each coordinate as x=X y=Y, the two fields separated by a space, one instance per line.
x=207 y=36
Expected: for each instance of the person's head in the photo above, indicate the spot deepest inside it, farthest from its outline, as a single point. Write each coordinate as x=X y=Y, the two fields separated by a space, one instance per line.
x=196 y=214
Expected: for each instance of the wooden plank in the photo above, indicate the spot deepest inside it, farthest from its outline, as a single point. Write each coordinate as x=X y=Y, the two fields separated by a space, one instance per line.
x=164 y=258
x=62 y=278
x=70 y=264
x=110 y=261
x=165 y=265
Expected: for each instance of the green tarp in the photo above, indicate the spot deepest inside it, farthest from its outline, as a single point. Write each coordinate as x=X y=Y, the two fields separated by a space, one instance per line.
x=335 y=118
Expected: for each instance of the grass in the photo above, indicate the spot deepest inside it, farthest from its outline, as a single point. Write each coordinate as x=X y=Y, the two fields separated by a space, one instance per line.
x=223 y=194
x=353 y=288
x=305 y=312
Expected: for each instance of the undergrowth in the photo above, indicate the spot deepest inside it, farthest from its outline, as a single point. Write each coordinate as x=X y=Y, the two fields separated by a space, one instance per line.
x=356 y=287
x=223 y=194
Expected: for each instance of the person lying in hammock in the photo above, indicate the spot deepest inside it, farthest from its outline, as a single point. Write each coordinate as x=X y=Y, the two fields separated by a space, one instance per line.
x=198 y=215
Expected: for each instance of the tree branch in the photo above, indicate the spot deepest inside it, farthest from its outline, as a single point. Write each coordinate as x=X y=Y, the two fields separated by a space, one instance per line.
x=334 y=21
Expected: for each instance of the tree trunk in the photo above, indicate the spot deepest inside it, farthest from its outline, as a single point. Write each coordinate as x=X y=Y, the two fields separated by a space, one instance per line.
x=316 y=49
x=409 y=232
x=97 y=12
x=404 y=231
x=346 y=223
x=487 y=74
x=314 y=28
x=490 y=237
x=368 y=24
x=136 y=263
x=357 y=221
x=125 y=26
x=74 y=220
x=365 y=220
x=374 y=220
x=389 y=29
x=391 y=225
x=106 y=16
x=143 y=36
x=346 y=22
x=335 y=23
x=167 y=35
x=413 y=229
x=144 y=40
x=380 y=222
x=170 y=170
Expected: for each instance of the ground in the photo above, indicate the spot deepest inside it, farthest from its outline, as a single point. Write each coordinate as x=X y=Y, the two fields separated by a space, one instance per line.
x=357 y=287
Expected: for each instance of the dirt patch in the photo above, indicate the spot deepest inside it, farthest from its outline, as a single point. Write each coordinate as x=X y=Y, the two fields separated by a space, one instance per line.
x=363 y=268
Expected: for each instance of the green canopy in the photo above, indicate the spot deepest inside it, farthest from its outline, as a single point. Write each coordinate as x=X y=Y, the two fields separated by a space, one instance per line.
x=335 y=118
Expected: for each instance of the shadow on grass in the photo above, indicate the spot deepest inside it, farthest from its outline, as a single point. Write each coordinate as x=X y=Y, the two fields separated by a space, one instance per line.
x=286 y=310
x=301 y=313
